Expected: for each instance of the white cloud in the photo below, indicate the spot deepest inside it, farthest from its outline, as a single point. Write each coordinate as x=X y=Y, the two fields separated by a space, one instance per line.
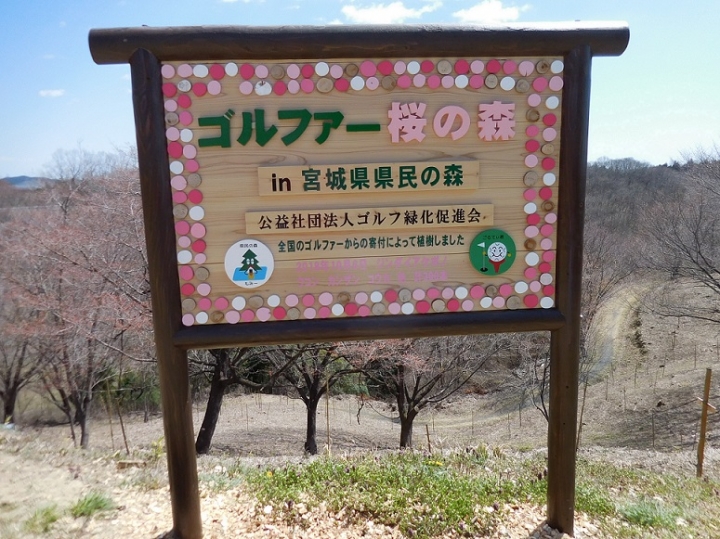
x=490 y=12
x=51 y=93
x=48 y=56
x=392 y=13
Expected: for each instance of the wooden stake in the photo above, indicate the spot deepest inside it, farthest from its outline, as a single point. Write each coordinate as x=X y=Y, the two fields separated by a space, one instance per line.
x=703 y=423
x=122 y=428
x=652 y=419
x=327 y=412
x=472 y=428
x=520 y=414
x=427 y=433
x=582 y=412
x=122 y=423
x=108 y=408
x=624 y=400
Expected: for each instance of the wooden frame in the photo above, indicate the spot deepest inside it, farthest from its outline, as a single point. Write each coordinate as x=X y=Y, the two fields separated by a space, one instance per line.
x=144 y=49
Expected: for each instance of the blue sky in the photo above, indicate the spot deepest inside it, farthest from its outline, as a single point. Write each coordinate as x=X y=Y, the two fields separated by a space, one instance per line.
x=656 y=103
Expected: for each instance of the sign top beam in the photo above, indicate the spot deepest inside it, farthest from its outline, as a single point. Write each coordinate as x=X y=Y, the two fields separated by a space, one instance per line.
x=192 y=43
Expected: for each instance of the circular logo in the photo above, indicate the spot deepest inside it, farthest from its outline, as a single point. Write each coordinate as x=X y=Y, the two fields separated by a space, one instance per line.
x=249 y=263
x=492 y=252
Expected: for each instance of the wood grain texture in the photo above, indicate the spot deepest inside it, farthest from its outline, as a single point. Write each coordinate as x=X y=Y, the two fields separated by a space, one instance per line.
x=307 y=331
x=164 y=285
x=115 y=45
x=565 y=341
x=233 y=188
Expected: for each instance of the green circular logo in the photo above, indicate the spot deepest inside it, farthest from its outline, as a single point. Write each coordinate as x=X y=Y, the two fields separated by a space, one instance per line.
x=492 y=252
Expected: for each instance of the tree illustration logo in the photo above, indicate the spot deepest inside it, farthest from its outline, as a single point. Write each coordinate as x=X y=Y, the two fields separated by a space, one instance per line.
x=249 y=263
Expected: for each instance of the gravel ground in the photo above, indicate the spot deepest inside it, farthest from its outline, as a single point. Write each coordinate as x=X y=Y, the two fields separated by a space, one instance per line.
x=40 y=468
x=35 y=473
x=638 y=402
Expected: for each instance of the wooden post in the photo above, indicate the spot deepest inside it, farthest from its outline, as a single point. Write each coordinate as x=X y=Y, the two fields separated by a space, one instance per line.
x=565 y=342
x=703 y=423
x=165 y=293
x=427 y=433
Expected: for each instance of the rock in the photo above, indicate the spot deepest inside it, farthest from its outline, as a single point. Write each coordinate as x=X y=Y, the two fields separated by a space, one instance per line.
x=124 y=464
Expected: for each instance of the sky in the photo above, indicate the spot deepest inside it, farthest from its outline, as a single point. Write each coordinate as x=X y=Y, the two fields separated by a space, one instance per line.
x=656 y=103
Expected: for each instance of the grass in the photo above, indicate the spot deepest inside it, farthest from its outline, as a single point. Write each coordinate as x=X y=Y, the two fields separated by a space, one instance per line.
x=424 y=495
x=649 y=513
x=466 y=492
x=90 y=504
x=42 y=519
x=148 y=478
x=219 y=481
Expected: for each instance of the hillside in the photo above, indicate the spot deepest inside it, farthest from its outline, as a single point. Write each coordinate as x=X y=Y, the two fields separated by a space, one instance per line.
x=26 y=182
x=639 y=416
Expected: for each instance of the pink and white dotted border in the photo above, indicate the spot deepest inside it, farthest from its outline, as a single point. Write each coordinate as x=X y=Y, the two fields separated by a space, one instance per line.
x=202 y=81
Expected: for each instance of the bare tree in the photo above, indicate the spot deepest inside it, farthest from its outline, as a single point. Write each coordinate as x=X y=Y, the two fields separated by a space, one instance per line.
x=84 y=277
x=20 y=364
x=250 y=367
x=310 y=370
x=420 y=373
x=683 y=242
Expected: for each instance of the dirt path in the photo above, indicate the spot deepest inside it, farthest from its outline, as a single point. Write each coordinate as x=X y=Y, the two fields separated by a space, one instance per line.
x=611 y=324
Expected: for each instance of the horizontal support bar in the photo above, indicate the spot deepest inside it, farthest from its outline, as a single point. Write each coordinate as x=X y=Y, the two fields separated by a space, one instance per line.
x=203 y=43
x=376 y=327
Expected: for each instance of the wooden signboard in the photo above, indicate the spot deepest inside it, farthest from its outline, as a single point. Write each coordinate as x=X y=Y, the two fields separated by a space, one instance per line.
x=363 y=187
x=305 y=184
